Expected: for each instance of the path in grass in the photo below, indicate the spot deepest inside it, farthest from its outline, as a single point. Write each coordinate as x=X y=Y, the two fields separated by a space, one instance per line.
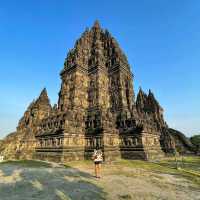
x=33 y=180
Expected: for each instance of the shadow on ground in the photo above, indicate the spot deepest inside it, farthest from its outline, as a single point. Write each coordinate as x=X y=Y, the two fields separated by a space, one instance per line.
x=19 y=182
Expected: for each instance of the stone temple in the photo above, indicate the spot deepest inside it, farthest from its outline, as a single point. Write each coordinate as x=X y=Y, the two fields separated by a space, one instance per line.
x=97 y=108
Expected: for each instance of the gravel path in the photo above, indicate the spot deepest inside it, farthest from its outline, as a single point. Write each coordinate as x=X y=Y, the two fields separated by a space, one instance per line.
x=77 y=183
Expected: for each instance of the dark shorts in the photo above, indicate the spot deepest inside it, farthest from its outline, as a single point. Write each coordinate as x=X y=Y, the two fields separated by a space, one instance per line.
x=97 y=162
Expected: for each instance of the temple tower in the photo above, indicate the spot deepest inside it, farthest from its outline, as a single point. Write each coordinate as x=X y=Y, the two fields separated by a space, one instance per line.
x=96 y=105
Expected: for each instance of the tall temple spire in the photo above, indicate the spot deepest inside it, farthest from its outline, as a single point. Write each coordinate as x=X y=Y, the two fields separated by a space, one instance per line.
x=96 y=43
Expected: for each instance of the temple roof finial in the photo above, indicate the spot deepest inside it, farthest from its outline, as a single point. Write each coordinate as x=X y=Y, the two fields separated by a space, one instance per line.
x=44 y=92
x=97 y=24
x=43 y=97
x=141 y=92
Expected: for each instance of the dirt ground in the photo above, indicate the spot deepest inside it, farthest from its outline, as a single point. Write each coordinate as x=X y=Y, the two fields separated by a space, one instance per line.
x=24 y=180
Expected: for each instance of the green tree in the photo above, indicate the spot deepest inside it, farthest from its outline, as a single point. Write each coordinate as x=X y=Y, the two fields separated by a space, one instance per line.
x=195 y=140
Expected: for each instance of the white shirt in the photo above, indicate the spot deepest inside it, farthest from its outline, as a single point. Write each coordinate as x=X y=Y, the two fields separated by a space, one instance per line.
x=98 y=156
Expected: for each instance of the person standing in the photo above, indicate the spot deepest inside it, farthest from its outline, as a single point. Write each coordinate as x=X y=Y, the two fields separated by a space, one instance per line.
x=98 y=159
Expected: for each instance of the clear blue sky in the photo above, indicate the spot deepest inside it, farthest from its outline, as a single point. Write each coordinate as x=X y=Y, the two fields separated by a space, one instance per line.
x=160 y=38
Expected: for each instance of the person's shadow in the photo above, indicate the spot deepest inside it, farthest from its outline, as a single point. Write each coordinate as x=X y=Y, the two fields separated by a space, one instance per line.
x=47 y=183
